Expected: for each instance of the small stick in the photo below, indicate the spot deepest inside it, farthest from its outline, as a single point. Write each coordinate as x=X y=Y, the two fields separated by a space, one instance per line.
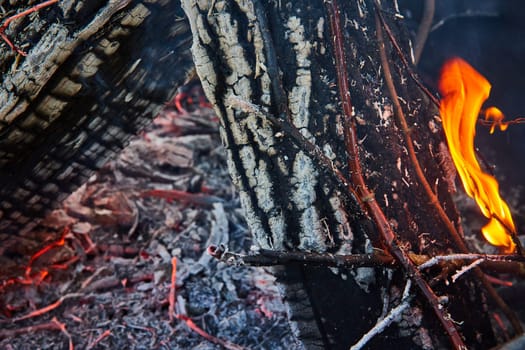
x=499 y=281
x=101 y=337
x=501 y=325
x=62 y=327
x=173 y=286
x=408 y=139
x=48 y=308
x=469 y=256
x=313 y=150
x=94 y=275
x=189 y=322
x=302 y=142
x=226 y=344
x=424 y=29
x=382 y=324
x=415 y=78
x=59 y=243
x=465 y=269
x=518 y=120
x=265 y=257
x=512 y=264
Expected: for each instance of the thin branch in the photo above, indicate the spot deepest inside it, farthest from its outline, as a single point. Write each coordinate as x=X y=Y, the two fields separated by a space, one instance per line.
x=358 y=184
x=48 y=308
x=415 y=78
x=407 y=65
x=301 y=141
x=101 y=337
x=193 y=326
x=173 y=289
x=52 y=325
x=398 y=111
x=514 y=268
x=465 y=269
x=8 y=21
x=382 y=324
x=264 y=257
x=513 y=264
x=189 y=322
x=488 y=123
x=470 y=256
x=467 y=14
x=424 y=29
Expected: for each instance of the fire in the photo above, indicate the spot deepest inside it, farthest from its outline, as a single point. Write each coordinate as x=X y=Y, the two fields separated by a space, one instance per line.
x=497 y=116
x=463 y=92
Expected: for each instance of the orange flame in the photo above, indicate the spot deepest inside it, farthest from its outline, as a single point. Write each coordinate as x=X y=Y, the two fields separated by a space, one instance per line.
x=497 y=116
x=463 y=92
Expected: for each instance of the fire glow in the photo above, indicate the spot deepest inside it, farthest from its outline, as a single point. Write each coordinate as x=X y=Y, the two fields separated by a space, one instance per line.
x=463 y=92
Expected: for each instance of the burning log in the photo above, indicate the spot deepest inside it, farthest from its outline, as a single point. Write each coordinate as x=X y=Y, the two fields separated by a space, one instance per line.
x=333 y=143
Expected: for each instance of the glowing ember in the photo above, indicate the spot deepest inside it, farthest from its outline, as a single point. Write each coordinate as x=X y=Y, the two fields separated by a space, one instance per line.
x=463 y=92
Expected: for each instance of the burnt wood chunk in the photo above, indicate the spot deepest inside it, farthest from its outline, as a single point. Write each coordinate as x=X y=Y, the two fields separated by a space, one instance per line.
x=96 y=72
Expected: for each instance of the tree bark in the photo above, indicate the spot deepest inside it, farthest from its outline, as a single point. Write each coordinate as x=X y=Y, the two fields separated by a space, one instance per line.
x=271 y=69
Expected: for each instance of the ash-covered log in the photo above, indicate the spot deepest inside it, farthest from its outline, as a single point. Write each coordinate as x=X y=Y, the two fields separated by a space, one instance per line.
x=337 y=148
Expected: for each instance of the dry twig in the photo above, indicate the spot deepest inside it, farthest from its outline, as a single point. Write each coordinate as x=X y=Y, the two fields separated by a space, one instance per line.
x=173 y=287
x=189 y=322
x=383 y=323
x=465 y=269
x=226 y=344
x=101 y=337
x=48 y=308
x=424 y=29
x=264 y=257
x=302 y=142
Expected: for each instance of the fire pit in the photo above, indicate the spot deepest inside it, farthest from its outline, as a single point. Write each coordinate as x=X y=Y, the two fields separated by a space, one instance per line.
x=342 y=157
x=103 y=280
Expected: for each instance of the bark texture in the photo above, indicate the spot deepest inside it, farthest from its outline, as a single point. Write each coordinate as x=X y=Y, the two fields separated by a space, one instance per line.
x=95 y=73
x=278 y=57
